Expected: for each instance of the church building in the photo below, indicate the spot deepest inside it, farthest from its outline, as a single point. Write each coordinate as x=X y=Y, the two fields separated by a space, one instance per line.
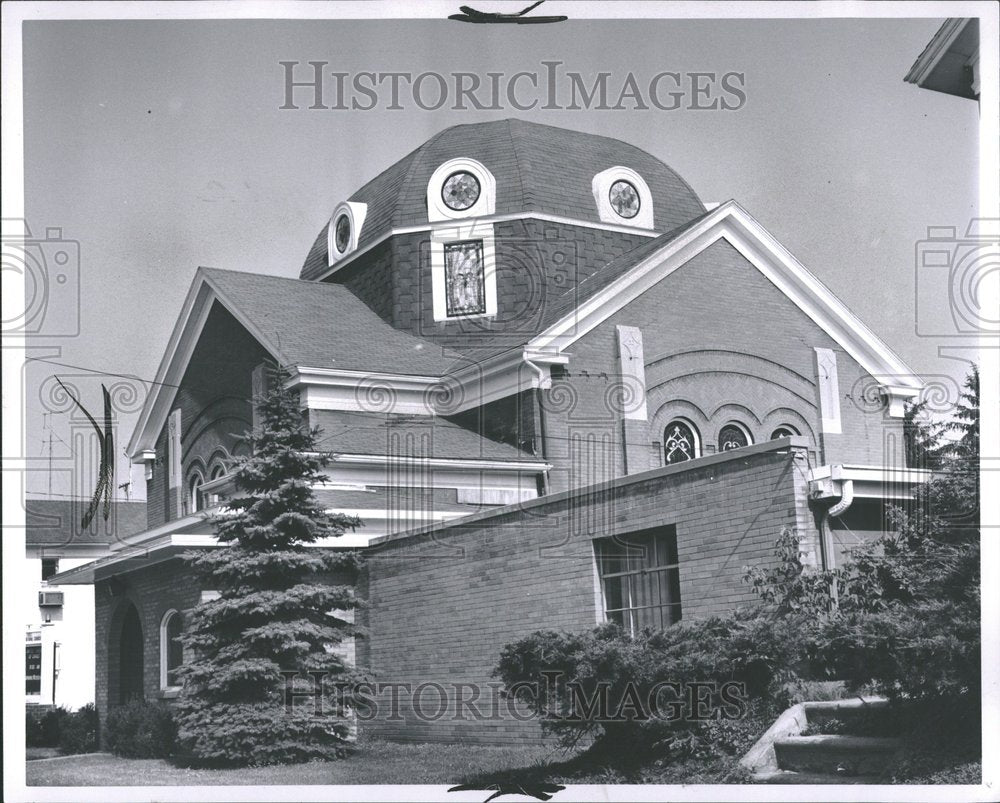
x=558 y=388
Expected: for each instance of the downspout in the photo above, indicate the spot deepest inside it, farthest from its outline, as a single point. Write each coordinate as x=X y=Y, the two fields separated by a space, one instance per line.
x=543 y=380
x=838 y=508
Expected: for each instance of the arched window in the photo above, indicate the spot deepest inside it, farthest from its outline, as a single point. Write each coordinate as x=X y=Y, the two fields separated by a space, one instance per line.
x=194 y=500
x=784 y=431
x=218 y=471
x=680 y=442
x=733 y=436
x=171 y=651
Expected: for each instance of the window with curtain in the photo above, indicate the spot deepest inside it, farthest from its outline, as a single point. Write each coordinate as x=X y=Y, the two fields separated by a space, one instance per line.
x=640 y=578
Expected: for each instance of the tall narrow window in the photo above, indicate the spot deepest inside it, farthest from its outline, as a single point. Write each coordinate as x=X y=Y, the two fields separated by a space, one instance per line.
x=171 y=650
x=464 y=277
x=195 y=501
x=680 y=442
x=733 y=436
x=640 y=578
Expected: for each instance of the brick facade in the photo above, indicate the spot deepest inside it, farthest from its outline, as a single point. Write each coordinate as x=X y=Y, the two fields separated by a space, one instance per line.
x=444 y=602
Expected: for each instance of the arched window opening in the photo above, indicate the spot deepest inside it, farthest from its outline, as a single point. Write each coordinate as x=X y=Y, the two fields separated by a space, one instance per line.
x=784 y=431
x=171 y=650
x=733 y=436
x=680 y=442
x=195 y=502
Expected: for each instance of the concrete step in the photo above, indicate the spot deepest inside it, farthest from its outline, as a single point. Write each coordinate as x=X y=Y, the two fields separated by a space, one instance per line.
x=837 y=755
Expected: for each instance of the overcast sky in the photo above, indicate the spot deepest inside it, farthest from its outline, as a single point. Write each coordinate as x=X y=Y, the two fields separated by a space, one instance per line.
x=160 y=146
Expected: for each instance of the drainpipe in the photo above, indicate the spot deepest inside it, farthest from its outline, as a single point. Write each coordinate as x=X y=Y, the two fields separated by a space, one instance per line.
x=544 y=380
x=838 y=508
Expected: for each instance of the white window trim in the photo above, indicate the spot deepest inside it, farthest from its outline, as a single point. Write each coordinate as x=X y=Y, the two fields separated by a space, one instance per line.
x=601 y=186
x=459 y=232
x=355 y=214
x=486 y=204
x=163 y=649
x=699 y=450
x=192 y=495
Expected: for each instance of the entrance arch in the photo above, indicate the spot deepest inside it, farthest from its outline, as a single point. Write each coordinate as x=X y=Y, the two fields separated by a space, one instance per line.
x=126 y=656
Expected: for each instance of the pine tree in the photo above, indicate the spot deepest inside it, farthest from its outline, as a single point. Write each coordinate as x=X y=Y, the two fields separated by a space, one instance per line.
x=281 y=609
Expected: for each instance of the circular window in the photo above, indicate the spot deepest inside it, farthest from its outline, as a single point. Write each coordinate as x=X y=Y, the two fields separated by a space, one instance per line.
x=460 y=190
x=342 y=233
x=624 y=198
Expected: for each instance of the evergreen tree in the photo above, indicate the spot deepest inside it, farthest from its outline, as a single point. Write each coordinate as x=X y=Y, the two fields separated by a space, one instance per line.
x=281 y=609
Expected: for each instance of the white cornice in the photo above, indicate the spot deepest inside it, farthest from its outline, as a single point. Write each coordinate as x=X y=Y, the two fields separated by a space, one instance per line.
x=430 y=227
x=936 y=49
x=734 y=224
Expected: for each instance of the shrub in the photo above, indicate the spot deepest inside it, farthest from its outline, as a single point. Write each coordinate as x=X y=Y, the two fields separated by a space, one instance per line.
x=78 y=732
x=607 y=686
x=42 y=729
x=141 y=729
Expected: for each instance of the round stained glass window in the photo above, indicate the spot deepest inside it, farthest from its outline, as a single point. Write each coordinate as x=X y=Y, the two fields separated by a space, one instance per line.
x=460 y=191
x=624 y=198
x=342 y=233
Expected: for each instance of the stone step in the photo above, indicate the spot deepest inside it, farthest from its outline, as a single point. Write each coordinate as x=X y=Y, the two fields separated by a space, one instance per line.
x=837 y=755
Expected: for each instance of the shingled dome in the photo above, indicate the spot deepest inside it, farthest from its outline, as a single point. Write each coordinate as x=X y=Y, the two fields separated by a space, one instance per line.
x=538 y=168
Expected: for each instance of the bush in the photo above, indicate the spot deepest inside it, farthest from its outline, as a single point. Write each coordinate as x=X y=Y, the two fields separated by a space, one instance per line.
x=78 y=732
x=43 y=729
x=560 y=677
x=141 y=729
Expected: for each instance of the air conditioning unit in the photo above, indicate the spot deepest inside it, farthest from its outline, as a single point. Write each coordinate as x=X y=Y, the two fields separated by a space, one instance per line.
x=50 y=599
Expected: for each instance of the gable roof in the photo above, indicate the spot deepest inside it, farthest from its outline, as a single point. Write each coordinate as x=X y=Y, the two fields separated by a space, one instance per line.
x=626 y=278
x=538 y=168
x=299 y=323
x=321 y=324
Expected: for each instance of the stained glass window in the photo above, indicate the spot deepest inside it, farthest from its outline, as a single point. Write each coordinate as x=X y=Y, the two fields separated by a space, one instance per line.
x=679 y=442
x=732 y=437
x=460 y=190
x=784 y=431
x=640 y=578
x=465 y=284
x=342 y=233
x=624 y=198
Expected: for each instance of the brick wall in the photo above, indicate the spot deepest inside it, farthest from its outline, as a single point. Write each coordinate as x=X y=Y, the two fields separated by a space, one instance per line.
x=721 y=344
x=444 y=603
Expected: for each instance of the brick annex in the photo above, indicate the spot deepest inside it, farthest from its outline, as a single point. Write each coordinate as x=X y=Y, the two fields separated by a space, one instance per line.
x=559 y=389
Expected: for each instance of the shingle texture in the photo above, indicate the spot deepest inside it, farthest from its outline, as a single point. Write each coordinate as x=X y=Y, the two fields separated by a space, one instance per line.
x=538 y=168
x=56 y=523
x=325 y=325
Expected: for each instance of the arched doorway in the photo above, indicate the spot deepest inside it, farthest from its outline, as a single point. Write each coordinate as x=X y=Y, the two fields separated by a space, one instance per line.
x=130 y=664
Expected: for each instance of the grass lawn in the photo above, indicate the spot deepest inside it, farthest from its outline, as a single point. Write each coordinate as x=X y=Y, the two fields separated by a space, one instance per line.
x=375 y=762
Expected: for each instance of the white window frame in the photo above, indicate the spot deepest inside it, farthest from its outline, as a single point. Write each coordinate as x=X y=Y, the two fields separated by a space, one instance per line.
x=164 y=649
x=486 y=203
x=192 y=496
x=601 y=186
x=462 y=232
x=355 y=214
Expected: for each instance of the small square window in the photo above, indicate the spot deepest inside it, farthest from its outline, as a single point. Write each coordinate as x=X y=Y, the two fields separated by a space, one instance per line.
x=465 y=278
x=640 y=578
x=50 y=566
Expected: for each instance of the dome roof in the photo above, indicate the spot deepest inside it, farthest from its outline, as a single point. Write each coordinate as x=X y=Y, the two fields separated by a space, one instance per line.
x=538 y=168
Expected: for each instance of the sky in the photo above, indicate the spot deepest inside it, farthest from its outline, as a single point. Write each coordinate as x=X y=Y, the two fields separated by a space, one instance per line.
x=160 y=146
